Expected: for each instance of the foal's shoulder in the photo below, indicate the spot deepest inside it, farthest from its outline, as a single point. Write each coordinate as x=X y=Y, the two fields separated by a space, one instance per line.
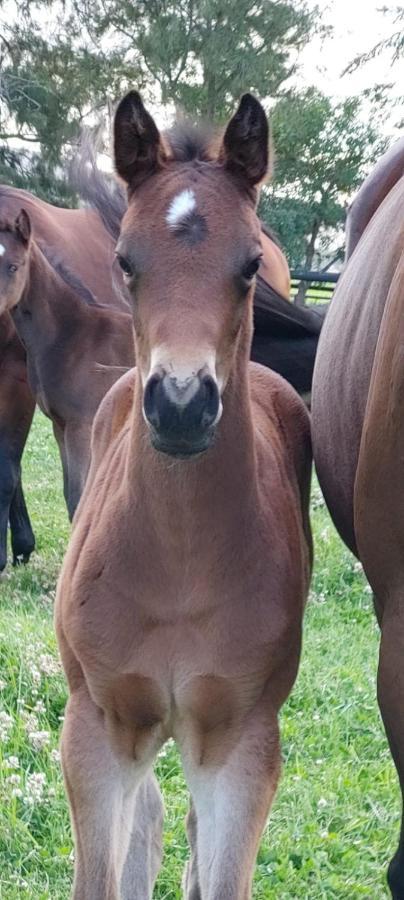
x=277 y=405
x=109 y=421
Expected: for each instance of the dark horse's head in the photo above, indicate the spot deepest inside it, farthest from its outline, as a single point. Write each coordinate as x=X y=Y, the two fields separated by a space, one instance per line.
x=189 y=249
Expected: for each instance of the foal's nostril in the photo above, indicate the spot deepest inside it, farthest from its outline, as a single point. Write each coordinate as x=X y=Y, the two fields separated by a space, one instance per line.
x=150 y=399
x=211 y=399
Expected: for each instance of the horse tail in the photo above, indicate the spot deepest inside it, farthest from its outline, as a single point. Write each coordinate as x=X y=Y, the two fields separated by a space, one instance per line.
x=96 y=188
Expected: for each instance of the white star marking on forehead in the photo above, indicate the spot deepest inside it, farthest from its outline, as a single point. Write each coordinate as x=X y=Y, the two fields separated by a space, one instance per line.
x=2 y=249
x=180 y=207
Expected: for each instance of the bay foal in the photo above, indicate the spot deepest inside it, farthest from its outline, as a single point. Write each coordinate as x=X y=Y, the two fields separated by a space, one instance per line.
x=75 y=348
x=180 y=602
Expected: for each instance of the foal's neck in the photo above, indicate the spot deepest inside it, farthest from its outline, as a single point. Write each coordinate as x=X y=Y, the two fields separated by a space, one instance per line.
x=215 y=487
x=47 y=299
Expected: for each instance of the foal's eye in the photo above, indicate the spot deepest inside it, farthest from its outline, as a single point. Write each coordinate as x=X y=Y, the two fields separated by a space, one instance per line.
x=125 y=265
x=12 y=267
x=251 y=268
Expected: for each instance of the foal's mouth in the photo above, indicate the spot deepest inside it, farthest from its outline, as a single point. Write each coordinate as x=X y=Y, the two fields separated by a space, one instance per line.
x=181 y=449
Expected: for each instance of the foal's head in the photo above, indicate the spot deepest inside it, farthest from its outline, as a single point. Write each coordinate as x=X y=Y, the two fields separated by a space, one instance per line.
x=189 y=249
x=15 y=238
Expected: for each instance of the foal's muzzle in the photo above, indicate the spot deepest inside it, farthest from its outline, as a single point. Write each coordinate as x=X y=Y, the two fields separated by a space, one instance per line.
x=182 y=414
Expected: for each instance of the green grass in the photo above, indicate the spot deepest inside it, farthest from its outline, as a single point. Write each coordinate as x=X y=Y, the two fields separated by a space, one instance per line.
x=334 y=823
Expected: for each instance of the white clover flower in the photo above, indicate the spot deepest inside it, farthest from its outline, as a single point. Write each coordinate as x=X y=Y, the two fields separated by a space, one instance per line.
x=55 y=756
x=17 y=792
x=322 y=803
x=35 y=786
x=6 y=724
x=30 y=721
x=48 y=664
x=13 y=779
x=35 y=675
x=39 y=706
x=12 y=762
x=2 y=684
x=39 y=739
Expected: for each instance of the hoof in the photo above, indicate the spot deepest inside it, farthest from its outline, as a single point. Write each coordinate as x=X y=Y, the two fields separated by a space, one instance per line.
x=395 y=877
x=21 y=560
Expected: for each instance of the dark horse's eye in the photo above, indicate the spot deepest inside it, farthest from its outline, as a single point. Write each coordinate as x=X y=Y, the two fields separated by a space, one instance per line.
x=125 y=265
x=12 y=267
x=251 y=268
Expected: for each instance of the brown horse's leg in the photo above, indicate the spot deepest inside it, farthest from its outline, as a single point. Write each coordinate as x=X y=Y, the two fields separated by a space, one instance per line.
x=77 y=443
x=104 y=788
x=390 y=687
x=232 y=798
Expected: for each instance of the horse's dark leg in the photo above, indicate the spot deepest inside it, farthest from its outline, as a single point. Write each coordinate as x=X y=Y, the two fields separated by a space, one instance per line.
x=390 y=690
x=7 y=489
x=22 y=535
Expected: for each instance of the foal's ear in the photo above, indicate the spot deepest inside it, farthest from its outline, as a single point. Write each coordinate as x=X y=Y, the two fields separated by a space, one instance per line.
x=137 y=145
x=245 y=148
x=22 y=226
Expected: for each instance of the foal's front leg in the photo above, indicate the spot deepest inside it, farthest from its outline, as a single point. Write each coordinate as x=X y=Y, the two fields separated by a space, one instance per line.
x=115 y=809
x=232 y=795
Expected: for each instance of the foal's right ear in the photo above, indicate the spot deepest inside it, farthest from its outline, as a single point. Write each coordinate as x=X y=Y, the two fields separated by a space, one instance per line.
x=138 y=148
x=245 y=148
x=22 y=226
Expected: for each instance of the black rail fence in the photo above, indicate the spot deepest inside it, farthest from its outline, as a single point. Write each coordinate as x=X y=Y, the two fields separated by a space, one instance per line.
x=318 y=286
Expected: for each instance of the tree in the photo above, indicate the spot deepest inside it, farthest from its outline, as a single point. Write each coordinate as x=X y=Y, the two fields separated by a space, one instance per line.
x=48 y=87
x=323 y=150
x=199 y=55
x=204 y=53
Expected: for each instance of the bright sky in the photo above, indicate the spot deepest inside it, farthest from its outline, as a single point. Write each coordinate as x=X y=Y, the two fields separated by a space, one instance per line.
x=358 y=26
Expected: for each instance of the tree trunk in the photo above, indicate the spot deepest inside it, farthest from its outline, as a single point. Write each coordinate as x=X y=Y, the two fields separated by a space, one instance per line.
x=304 y=285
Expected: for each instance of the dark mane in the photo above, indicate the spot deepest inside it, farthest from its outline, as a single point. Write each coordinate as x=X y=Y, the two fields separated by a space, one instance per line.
x=98 y=189
x=70 y=278
x=189 y=142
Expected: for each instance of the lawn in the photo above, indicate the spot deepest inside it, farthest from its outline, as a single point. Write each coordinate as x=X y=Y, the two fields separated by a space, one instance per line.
x=335 y=820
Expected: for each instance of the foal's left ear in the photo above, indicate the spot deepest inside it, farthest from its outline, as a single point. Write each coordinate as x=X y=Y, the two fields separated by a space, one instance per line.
x=245 y=148
x=22 y=226
x=137 y=145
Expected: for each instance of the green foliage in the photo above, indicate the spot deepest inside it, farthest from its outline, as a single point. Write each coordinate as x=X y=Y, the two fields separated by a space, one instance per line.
x=335 y=819
x=323 y=150
x=205 y=54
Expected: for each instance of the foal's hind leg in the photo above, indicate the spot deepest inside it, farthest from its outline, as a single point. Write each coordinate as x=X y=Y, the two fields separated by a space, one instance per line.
x=106 y=799
x=232 y=795
x=390 y=685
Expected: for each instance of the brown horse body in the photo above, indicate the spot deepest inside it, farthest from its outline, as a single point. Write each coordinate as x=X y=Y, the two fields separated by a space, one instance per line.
x=358 y=437
x=75 y=349
x=191 y=626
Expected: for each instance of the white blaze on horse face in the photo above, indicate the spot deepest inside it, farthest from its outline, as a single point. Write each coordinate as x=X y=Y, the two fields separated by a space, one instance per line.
x=2 y=249
x=180 y=207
